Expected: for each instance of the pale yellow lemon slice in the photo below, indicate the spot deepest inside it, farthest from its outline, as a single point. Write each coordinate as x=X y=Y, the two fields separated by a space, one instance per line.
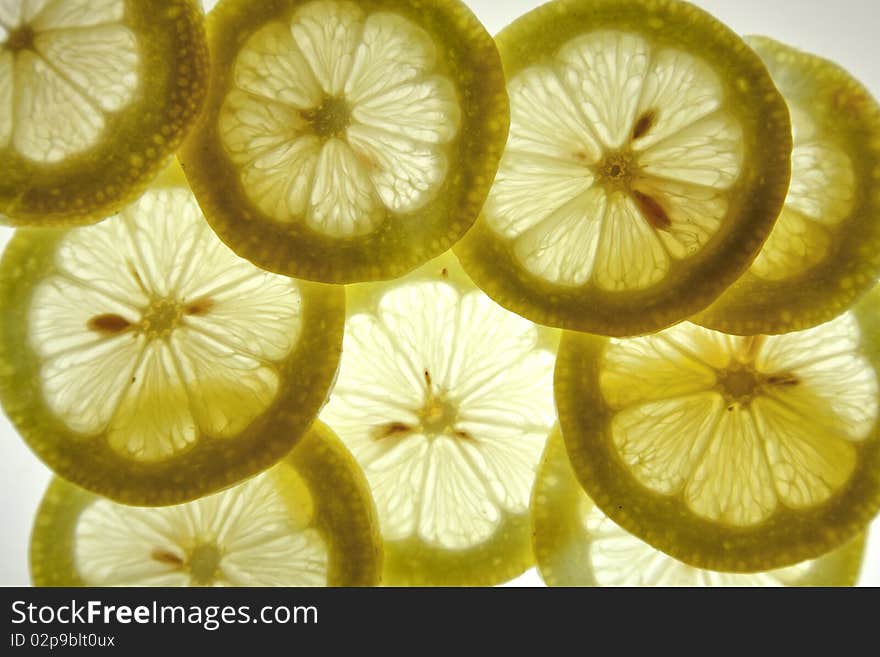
x=729 y=453
x=347 y=141
x=145 y=361
x=445 y=399
x=647 y=161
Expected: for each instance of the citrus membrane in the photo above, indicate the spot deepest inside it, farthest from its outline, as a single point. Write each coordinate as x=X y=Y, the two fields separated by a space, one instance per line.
x=445 y=399
x=825 y=249
x=729 y=453
x=576 y=544
x=648 y=158
x=143 y=360
x=95 y=96
x=346 y=141
x=307 y=521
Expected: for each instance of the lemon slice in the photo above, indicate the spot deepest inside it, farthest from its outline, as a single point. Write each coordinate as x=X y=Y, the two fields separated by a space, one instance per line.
x=347 y=141
x=446 y=400
x=822 y=254
x=143 y=360
x=308 y=521
x=95 y=95
x=729 y=453
x=578 y=545
x=648 y=158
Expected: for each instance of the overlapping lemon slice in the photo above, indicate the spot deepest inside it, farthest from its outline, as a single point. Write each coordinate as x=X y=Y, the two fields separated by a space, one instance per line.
x=647 y=161
x=823 y=252
x=141 y=359
x=95 y=95
x=576 y=544
x=308 y=521
x=347 y=141
x=446 y=400
x=729 y=453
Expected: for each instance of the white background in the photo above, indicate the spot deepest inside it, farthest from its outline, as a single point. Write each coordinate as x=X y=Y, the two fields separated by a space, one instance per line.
x=844 y=31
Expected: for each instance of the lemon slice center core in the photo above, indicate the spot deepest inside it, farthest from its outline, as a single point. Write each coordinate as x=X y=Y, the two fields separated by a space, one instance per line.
x=330 y=119
x=21 y=38
x=438 y=417
x=161 y=317
x=616 y=170
x=202 y=564
x=204 y=561
x=739 y=383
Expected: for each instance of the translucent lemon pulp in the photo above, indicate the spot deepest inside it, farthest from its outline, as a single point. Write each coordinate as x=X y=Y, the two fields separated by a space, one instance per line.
x=352 y=121
x=448 y=424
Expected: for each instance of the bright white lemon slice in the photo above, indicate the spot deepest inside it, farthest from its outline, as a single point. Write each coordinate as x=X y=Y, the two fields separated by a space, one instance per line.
x=308 y=521
x=647 y=161
x=729 y=453
x=347 y=141
x=145 y=361
x=95 y=95
x=822 y=254
x=576 y=544
x=446 y=400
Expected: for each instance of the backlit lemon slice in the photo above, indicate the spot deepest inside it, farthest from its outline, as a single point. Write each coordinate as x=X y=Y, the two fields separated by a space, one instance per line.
x=347 y=141
x=822 y=254
x=95 y=95
x=578 y=545
x=445 y=400
x=308 y=521
x=647 y=161
x=141 y=359
x=729 y=453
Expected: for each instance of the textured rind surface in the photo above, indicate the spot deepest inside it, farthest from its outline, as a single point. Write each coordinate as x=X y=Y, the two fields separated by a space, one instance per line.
x=558 y=530
x=414 y=562
x=466 y=54
x=137 y=142
x=786 y=538
x=850 y=117
x=344 y=515
x=755 y=200
x=88 y=461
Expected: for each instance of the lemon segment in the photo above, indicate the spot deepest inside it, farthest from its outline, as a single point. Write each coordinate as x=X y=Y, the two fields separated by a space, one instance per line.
x=94 y=98
x=821 y=255
x=576 y=544
x=276 y=529
x=646 y=163
x=448 y=425
x=145 y=352
x=347 y=141
x=729 y=453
